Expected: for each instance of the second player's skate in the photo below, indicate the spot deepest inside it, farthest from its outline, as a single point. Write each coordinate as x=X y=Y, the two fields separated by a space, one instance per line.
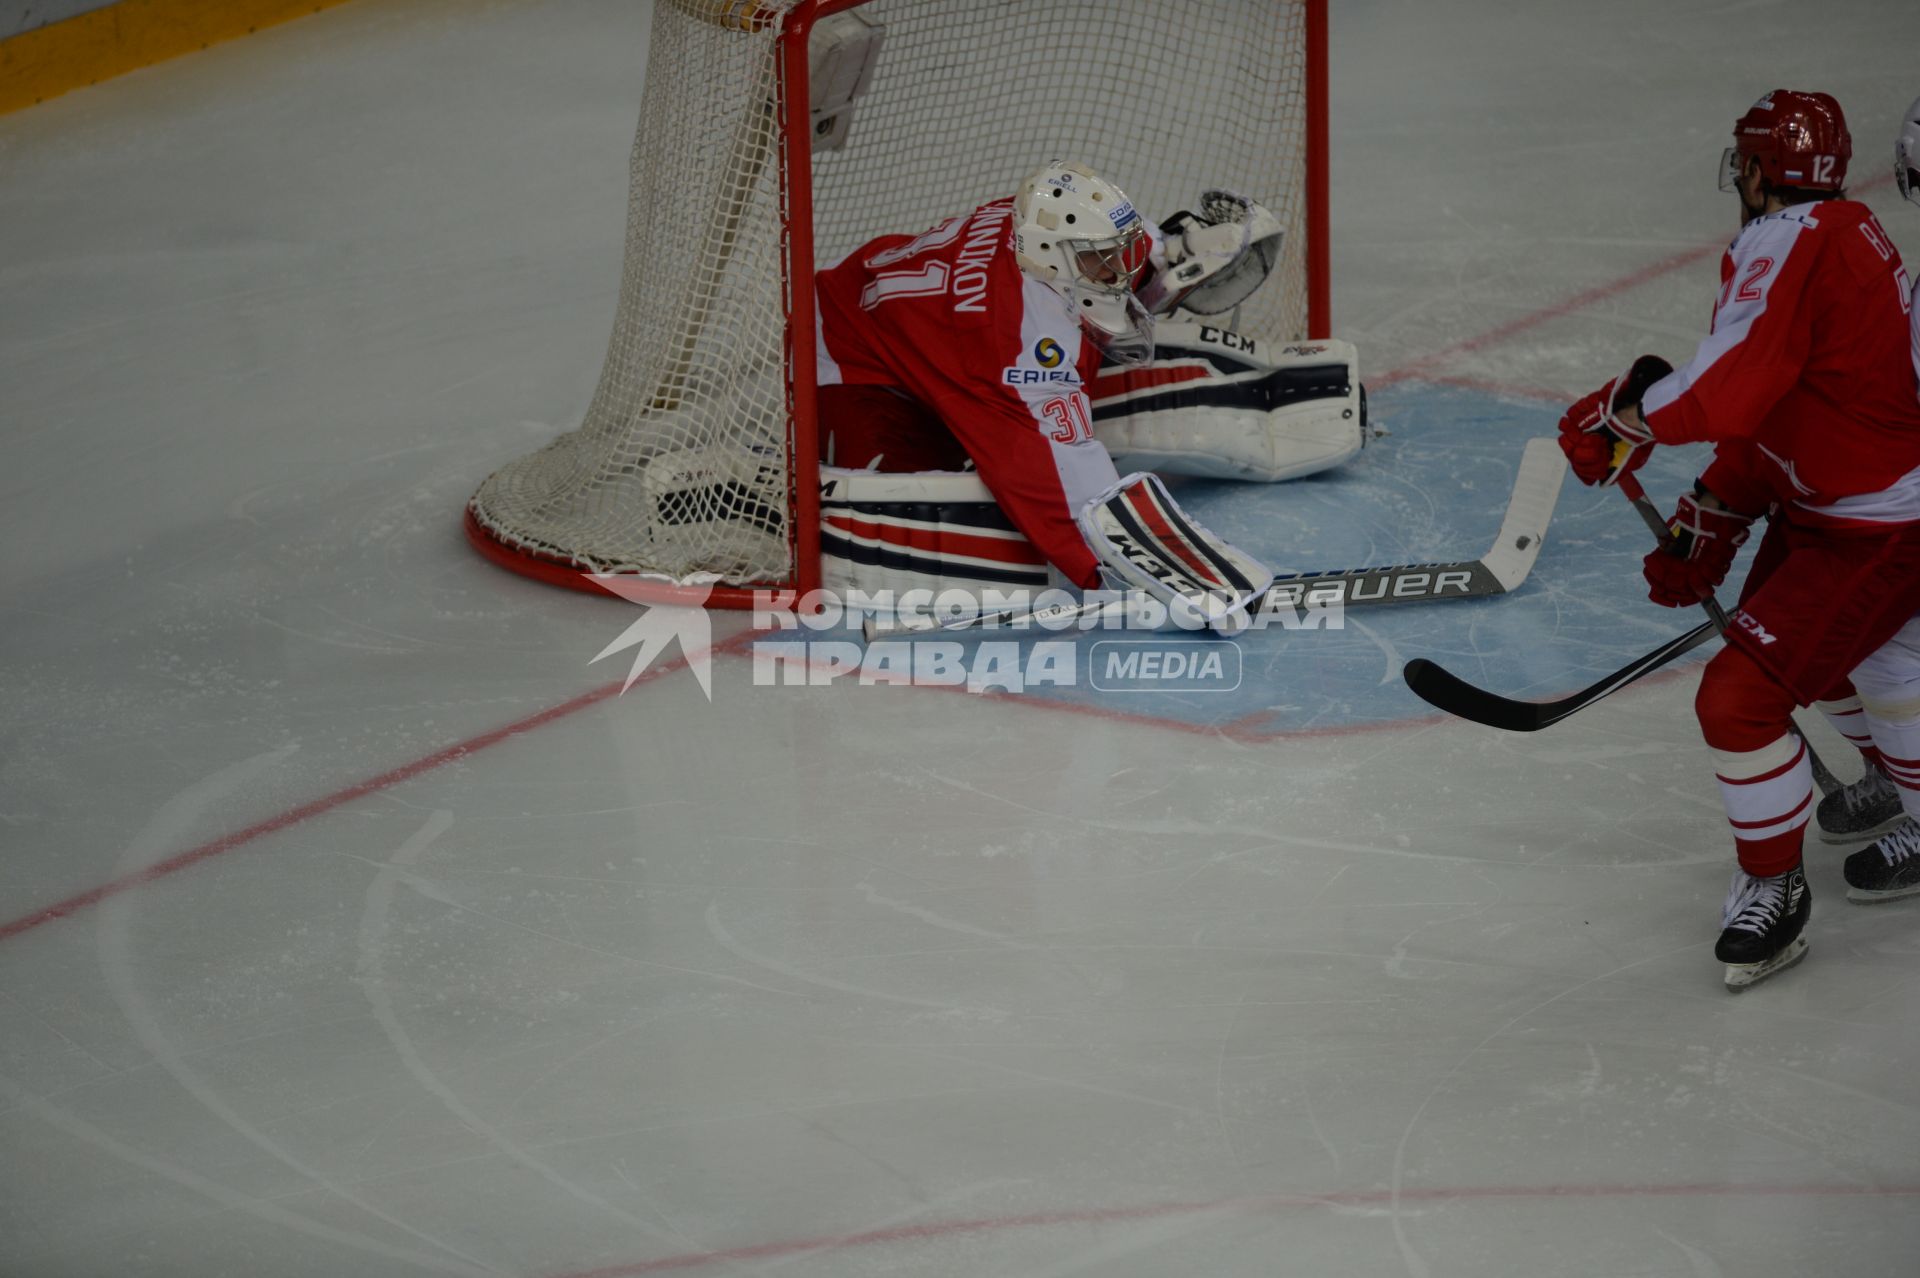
x=1867 y=809
x=1763 y=919
x=1887 y=869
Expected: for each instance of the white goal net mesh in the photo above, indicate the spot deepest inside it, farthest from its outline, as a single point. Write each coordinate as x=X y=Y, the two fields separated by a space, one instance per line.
x=681 y=467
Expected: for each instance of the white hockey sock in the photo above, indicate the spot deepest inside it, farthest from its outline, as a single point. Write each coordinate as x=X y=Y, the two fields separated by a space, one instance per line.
x=1888 y=683
x=1768 y=795
x=1899 y=741
x=1849 y=719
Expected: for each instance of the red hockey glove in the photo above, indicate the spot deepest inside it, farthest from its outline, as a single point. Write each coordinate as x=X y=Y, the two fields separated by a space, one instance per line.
x=1600 y=444
x=1705 y=540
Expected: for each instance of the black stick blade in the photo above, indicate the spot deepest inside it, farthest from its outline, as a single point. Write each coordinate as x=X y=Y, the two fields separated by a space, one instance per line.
x=1439 y=687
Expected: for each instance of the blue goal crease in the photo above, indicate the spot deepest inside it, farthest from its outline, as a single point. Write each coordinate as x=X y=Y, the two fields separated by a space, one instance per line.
x=1433 y=489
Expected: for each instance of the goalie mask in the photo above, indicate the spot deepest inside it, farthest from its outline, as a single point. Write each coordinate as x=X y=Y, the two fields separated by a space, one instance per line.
x=1079 y=234
x=1906 y=154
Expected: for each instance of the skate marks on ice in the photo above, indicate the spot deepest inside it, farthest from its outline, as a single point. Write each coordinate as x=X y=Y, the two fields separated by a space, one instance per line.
x=114 y=943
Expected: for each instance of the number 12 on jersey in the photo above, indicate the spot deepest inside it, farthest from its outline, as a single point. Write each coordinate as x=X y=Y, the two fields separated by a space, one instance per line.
x=1068 y=413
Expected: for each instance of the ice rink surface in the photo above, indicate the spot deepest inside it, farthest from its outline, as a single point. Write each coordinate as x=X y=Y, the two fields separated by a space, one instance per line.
x=310 y=966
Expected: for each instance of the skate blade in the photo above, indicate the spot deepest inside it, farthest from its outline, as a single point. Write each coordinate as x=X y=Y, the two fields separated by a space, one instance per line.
x=1867 y=835
x=1741 y=975
x=1868 y=896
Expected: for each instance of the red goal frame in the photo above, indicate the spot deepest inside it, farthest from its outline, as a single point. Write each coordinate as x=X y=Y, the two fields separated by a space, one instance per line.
x=796 y=217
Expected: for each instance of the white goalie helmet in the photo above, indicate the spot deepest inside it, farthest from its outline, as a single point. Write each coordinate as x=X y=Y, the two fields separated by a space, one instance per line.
x=1906 y=154
x=1080 y=235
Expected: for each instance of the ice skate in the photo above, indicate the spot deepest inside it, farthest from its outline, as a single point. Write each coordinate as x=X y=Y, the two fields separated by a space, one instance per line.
x=1763 y=921
x=1867 y=809
x=1887 y=869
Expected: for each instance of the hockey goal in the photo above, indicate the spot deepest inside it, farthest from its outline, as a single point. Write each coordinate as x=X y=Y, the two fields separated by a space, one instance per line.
x=776 y=135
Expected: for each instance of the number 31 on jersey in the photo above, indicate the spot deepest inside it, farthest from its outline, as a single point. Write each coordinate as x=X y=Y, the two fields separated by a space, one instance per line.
x=1068 y=414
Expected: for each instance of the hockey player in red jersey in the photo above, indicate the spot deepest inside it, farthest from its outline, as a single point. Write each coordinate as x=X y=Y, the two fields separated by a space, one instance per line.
x=1882 y=718
x=976 y=340
x=1805 y=387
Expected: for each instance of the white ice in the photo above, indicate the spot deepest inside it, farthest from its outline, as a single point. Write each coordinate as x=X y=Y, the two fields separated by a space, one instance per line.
x=835 y=981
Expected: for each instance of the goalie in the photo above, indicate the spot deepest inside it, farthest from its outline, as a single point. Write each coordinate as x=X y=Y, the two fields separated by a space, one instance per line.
x=979 y=341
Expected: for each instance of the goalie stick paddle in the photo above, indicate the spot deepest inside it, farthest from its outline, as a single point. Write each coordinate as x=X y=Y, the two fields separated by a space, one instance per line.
x=1536 y=489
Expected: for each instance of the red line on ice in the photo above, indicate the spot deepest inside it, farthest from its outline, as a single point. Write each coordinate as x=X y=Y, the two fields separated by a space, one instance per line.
x=935 y=1230
x=347 y=794
x=1241 y=729
x=1579 y=301
x=1419 y=368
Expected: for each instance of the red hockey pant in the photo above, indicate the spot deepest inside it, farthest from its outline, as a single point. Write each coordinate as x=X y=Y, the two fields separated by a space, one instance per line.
x=1814 y=605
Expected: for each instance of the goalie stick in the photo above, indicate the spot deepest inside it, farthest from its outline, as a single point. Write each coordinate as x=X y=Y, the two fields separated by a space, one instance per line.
x=1502 y=569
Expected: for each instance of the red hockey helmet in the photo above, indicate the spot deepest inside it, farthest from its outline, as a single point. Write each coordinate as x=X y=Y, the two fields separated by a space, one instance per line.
x=1800 y=140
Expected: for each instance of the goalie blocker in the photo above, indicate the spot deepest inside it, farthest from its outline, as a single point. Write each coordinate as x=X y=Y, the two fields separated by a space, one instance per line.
x=1145 y=541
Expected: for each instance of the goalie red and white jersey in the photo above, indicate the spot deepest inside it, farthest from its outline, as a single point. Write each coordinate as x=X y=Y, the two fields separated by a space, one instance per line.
x=1808 y=381
x=950 y=319
x=1913 y=312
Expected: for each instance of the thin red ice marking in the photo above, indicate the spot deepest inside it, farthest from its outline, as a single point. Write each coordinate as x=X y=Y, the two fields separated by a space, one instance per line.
x=327 y=803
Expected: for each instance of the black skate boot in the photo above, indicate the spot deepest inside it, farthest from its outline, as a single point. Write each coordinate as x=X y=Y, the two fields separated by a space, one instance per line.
x=1867 y=809
x=1887 y=869
x=1763 y=920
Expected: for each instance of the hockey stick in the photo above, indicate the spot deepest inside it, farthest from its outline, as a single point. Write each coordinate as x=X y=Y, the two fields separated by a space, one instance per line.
x=1629 y=485
x=1440 y=688
x=1536 y=488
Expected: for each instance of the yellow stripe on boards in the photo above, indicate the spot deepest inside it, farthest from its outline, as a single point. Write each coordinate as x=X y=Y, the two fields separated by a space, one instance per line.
x=102 y=43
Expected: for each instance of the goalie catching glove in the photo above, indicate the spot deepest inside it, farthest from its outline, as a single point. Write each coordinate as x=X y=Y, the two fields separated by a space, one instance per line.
x=1686 y=569
x=1216 y=257
x=1600 y=444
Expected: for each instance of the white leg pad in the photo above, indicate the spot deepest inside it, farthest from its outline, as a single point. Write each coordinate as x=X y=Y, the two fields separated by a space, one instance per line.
x=1221 y=406
x=921 y=531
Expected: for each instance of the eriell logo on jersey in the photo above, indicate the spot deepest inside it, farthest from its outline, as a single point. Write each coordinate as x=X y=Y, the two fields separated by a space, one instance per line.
x=1017 y=376
x=1049 y=354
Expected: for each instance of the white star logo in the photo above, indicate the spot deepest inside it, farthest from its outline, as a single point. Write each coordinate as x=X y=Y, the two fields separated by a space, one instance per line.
x=672 y=611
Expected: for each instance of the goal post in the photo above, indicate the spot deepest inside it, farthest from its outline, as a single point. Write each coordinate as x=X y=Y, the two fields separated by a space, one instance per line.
x=775 y=136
